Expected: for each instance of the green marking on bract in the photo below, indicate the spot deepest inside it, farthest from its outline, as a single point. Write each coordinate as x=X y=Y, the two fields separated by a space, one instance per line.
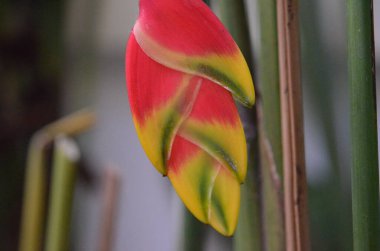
x=204 y=187
x=172 y=122
x=219 y=212
x=220 y=77
x=168 y=134
x=216 y=149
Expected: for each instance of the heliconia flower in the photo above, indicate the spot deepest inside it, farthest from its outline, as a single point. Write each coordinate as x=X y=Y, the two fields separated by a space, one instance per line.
x=182 y=69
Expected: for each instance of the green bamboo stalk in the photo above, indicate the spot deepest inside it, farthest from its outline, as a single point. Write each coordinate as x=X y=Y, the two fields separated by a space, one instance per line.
x=365 y=173
x=234 y=17
x=194 y=233
x=270 y=129
x=32 y=221
x=269 y=78
x=66 y=156
x=248 y=232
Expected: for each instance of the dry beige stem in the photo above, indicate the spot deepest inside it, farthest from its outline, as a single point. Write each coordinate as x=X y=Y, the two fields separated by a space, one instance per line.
x=110 y=201
x=295 y=186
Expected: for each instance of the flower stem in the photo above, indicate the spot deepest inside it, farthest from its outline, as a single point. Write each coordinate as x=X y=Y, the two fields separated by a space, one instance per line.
x=194 y=233
x=248 y=232
x=365 y=174
x=269 y=119
x=66 y=156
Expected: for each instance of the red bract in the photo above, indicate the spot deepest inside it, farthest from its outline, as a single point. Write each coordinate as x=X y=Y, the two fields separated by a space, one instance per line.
x=182 y=69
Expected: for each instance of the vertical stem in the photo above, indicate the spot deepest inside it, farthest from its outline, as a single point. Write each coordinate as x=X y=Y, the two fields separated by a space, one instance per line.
x=248 y=234
x=66 y=156
x=365 y=176
x=270 y=130
x=269 y=78
x=34 y=196
x=194 y=233
x=295 y=186
x=234 y=17
x=110 y=201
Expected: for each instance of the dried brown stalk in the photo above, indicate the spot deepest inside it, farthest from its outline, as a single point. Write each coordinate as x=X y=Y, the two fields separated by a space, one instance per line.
x=111 y=186
x=295 y=186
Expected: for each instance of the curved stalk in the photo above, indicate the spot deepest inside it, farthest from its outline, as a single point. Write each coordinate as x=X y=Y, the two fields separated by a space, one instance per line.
x=66 y=156
x=32 y=221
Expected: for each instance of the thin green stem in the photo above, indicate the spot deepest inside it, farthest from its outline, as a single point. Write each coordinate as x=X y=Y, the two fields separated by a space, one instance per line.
x=270 y=129
x=194 y=233
x=365 y=173
x=66 y=156
x=34 y=196
x=248 y=232
x=233 y=16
